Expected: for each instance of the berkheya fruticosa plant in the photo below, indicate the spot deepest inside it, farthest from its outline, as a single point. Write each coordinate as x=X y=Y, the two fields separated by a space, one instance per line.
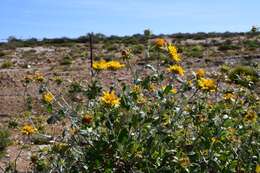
x=164 y=120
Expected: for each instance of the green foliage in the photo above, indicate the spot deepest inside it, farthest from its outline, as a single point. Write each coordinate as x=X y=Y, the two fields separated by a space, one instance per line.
x=111 y=47
x=40 y=165
x=93 y=90
x=244 y=75
x=195 y=51
x=7 y=64
x=12 y=124
x=84 y=54
x=67 y=60
x=225 y=68
x=75 y=87
x=157 y=134
x=228 y=45
x=251 y=44
x=160 y=121
x=2 y=54
x=4 y=140
x=137 y=49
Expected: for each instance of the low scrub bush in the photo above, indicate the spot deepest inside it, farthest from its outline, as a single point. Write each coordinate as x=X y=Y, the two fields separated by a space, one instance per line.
x=7 y=64
x=244 y=75
x=67 y=60
x=4 y=140
x=166 y=120
x=2 y=54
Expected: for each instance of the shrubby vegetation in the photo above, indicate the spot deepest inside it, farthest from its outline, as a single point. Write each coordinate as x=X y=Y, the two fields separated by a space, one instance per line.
x=2 y=54
x=166 y=120
x=128 y=40
x=4 y=140
x=6 y=64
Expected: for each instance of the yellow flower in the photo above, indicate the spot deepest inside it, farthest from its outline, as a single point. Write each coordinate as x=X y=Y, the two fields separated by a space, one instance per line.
x=172 y=50
x=47 y=97
x=38 y=77
x=202 y=118
x=207 y=84
x=257 y=168
x=215 y=140
x=174 y=90
x=110 y=98
x=114 y=65
x=160 y=42
x=176 y=69
x=189 y=82
x=200 y=73
x=100 y=65
x=111 y=65
x=184 y=161
x=151 y=88
x=163 y=88
x=136 y=89
x=250 y=116
x=28 y=130
x=229 y=96
x=204 y=152
x=141 y=100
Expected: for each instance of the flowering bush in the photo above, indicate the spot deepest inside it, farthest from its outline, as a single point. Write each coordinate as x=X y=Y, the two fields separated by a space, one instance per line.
x=163 y=121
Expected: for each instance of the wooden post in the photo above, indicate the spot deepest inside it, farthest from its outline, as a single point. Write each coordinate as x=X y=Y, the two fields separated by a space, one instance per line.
x=91 y=52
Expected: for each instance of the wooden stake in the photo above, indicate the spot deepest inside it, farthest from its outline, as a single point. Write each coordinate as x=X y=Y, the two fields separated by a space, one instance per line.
x=91 y=52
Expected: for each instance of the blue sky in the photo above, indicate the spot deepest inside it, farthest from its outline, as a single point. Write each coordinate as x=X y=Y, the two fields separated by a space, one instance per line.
x=72 y=18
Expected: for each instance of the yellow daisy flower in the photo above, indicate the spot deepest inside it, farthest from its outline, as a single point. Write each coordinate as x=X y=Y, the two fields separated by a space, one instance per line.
x=110 y=98
x=200 y=73
x=257 y=168
x=229 y=96
x=207 y=84
x=48 y=97
x=100 y=65
x=184 y=161
x=136 y=89
x=28 y=130
x=174 y=91
x=176 y=69
x=172 y=50
x=250 y=117
x=114 y=65
x=160 y=42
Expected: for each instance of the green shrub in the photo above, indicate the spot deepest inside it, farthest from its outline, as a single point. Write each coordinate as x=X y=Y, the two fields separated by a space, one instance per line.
x=244 y=75
x=224 y=68
x=252 y=44
x=12 y=124
x=84 y=54
x=111 y=47
x=7 y=64
x=195 y=51
x=4 y=140
x=40 y=165
x=137 y=49
x=2 y=54
x=226 y=47
x=67 y=60
x=156 y=122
